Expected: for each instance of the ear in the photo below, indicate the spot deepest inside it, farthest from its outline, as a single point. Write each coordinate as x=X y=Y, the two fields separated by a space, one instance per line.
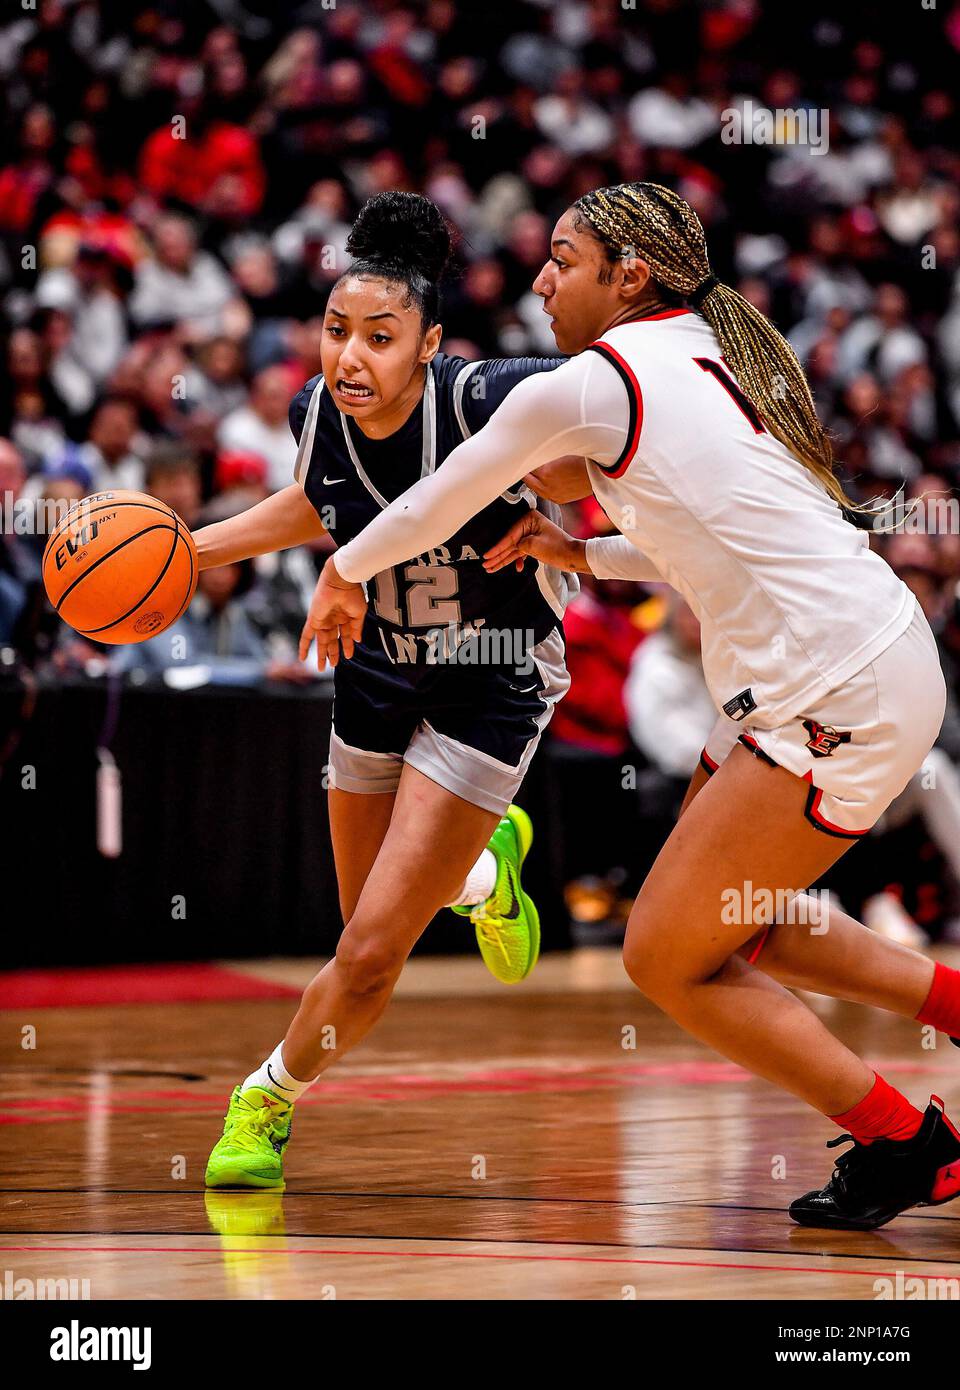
x=635 y=276
x=431 y=343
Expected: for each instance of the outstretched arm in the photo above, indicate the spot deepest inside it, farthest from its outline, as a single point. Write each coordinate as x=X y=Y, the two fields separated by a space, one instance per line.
x=278 y=522
x=581 y=408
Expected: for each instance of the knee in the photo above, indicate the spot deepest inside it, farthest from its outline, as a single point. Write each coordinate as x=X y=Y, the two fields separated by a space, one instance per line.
x=656 y=961
x=368 y=965
x=644 y=964
x=650 y=978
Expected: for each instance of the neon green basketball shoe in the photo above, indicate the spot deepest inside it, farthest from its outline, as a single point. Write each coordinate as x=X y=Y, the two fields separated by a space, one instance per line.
x=255 y=1132
x=507 y=923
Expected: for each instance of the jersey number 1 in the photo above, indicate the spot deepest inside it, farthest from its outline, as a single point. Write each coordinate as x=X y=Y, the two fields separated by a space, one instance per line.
x=707 y=364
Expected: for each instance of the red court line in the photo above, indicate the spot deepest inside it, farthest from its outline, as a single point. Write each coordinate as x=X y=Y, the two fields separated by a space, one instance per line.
x=413 y=1085
x=172 y=982
x=456 y=1255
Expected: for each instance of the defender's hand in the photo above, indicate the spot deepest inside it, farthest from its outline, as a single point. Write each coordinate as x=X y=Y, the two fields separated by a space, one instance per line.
x=534 y=535
x=562 y=480
x=335 y=619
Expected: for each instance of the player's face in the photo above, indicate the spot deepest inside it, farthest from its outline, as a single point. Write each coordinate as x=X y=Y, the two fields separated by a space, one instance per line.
x=580 y=291
x=372 y=348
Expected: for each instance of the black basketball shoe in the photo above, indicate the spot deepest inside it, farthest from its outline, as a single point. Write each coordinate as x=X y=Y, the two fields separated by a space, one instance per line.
x=873 y=1183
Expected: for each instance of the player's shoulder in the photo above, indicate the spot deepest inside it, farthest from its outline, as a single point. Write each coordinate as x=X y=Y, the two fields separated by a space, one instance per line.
x=655 y=338
x=477 y=388
x=300 y=404
x=447 y=370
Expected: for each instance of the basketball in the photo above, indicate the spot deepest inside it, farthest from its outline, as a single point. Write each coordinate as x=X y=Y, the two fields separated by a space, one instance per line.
x=120 y=567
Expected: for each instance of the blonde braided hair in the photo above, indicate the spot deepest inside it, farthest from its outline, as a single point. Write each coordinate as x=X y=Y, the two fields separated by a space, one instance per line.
x=651 y=222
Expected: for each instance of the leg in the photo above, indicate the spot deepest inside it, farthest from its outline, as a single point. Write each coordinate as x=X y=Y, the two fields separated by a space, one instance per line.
x=848 y=961
x=358 y=826
x=680 y=952
x=433 y=840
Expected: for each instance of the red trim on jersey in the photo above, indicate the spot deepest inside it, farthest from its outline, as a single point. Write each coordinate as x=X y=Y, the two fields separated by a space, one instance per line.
x=751 y=743
x=813 y=813
x=707 y=763
x=633 y=385
x=651 y=318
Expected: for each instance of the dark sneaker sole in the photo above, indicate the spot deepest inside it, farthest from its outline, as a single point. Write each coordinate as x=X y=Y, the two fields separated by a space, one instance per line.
x=945 y=1188
x=826 y=1223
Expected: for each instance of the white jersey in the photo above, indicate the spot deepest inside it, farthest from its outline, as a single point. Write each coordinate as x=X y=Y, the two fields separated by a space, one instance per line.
x=791 y=600
x=790 y=597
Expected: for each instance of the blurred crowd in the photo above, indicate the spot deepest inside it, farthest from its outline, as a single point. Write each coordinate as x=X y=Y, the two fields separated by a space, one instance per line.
x=177 y=183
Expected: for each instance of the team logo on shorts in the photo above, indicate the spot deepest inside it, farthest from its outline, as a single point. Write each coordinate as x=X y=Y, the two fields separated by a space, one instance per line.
x=824 y=738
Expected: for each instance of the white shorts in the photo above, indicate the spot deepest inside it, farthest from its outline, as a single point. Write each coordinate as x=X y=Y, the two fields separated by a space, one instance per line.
x=859 y=746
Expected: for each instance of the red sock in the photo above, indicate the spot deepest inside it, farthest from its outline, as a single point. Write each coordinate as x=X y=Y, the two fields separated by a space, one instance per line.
x=942 y=1007
x=882 y=1114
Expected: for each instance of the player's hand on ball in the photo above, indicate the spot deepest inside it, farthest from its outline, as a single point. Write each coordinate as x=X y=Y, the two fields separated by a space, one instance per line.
x=335 y=619
x=534 y=535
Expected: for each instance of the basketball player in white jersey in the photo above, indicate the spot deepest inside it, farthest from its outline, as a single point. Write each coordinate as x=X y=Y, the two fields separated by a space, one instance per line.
x=704 y=447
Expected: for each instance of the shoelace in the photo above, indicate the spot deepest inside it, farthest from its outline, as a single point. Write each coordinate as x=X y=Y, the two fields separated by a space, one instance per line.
x=860 y=1156
x=489 y=928
x=258 y=1125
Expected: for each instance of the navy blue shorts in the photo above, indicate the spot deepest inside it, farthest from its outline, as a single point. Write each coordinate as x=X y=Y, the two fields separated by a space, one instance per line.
x=471 y=729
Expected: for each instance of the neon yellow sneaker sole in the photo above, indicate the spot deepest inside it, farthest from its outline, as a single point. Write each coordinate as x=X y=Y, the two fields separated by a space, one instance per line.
x=508 y=924
x=256 y=1130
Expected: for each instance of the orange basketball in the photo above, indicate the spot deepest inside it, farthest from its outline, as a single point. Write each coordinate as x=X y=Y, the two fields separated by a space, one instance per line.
x=120 y=567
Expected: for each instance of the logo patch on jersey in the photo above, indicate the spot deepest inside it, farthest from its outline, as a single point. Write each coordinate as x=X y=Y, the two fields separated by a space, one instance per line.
x=824 y=738
x=741 y=705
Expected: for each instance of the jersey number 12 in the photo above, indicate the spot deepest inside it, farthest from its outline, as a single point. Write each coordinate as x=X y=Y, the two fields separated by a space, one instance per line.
x=431 y=596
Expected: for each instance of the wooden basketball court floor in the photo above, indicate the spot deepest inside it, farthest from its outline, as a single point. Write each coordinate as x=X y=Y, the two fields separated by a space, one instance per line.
x=484 y=1143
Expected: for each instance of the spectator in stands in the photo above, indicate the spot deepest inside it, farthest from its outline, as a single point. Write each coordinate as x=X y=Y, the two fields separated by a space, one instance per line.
x=262 y=426
x=92 y=291
x=173 y=476
x=669 y=709
x=181 y=283
x=207 y=163
x=110 y=453
x=215 y=632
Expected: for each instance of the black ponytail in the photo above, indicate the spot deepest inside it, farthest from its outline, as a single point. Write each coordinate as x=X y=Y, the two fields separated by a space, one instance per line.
x=403 y=237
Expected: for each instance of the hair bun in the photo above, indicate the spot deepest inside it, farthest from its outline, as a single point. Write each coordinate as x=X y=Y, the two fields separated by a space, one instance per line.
x=403 y=230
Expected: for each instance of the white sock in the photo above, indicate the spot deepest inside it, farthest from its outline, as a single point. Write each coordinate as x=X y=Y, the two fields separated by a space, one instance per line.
x=479 y=882
x=273 y=1076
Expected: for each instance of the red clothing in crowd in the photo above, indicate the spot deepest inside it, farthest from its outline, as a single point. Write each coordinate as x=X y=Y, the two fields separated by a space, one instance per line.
x=20 y=187
x=600 y=642
x=187 y=169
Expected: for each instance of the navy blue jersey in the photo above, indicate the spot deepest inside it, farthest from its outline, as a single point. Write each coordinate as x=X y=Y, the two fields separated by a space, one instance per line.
x=420 y=610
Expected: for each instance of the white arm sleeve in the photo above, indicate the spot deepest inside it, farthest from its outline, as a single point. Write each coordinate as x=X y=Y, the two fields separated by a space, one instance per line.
x=615 y=557
x=581 y=408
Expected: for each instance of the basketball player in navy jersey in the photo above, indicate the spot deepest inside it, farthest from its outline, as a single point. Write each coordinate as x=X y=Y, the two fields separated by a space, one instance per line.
x=454 y=678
